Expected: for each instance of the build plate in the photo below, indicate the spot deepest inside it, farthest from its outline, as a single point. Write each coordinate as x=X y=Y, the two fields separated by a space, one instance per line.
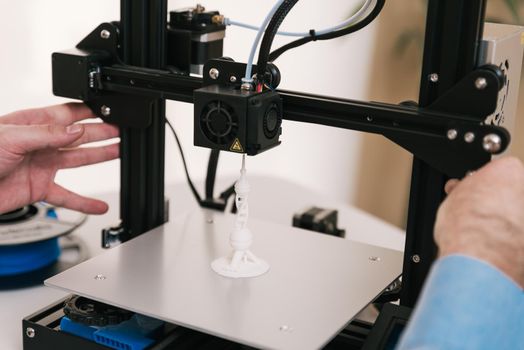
x=315 y=286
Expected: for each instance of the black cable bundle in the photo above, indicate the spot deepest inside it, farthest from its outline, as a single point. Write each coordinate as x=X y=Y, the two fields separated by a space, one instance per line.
x=210 y=177
x=338 y=33
x=269 y=35
x=191 y=185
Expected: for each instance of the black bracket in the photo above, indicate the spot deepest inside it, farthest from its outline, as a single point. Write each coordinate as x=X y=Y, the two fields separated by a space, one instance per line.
x=473 y=96
x=231 y=73
x=84 y=80
x=469 y=141
x=105 y=38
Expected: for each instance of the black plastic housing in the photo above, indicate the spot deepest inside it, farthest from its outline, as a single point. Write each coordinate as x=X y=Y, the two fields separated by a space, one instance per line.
x=230 y=119
x=192 y=39
x=41 y=331
x=319 y=220
x=71 y=72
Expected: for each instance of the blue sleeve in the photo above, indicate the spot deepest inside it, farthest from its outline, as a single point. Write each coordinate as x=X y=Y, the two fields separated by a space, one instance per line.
x=466 y=304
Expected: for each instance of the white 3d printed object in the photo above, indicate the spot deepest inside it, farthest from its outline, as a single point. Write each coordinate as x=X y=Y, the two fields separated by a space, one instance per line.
x=242 y=262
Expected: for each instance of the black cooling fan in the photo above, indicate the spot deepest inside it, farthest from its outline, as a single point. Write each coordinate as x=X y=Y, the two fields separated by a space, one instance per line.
x=219 y=123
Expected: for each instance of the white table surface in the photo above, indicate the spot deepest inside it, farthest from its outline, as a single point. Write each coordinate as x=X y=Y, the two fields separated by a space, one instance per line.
x=271 y=199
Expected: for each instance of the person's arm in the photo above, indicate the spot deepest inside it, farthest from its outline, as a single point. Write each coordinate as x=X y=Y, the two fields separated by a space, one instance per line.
x=473 y=297
x=466 y=304
x=36 y=143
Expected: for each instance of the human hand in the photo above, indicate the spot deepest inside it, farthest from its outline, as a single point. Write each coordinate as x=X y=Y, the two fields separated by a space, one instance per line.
x=483 y=217
x=36 y=143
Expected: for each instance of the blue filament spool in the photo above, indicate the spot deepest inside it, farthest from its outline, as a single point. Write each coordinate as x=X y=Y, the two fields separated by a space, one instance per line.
x=19 y=259
x=22 y=258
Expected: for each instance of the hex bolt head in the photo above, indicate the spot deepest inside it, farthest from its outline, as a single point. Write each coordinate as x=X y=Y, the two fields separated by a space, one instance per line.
x=415 y=258
x=100 y=277
x=452 y=134
x=481 y=83
x=105 y=34
x=105 y=110
x=30 y=332
x=492 y=143
x=214 y=73
x=374 y=258
x=469 y=137
x=433 y=77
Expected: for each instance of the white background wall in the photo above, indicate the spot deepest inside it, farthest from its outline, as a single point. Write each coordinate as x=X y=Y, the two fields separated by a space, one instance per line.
x=318 y=157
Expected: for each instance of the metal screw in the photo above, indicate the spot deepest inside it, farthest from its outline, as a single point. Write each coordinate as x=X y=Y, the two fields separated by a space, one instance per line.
x=214 y=73
x=452 y=134
x=415 y=258
x=481 y=83
x=374 y=258
x=246 y=87
x=469 y=137
x=209 y=221
x=492 y=143
x=433 y=77
x=100 y=277
x=369 y=119
x=393 y=285
x=105 y=110
x=233 y=79
x=132 y=82
x=30 y=332
x=105 y=34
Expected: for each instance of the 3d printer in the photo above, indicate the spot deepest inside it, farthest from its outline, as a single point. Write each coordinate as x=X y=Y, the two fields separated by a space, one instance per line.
x=126 y=70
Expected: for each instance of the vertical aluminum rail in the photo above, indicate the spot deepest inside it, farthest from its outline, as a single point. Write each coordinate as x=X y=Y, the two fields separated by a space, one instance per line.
x=142 y=202
x=453 y=35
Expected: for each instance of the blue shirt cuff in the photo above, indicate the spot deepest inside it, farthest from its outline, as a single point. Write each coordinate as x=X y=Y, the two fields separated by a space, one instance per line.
x=466 y=304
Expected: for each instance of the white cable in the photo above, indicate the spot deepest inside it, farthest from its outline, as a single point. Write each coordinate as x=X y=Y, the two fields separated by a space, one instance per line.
x=261 y=29
x=350 y=21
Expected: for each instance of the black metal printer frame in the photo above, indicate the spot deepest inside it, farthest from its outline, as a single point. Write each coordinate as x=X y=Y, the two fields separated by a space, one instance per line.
x=451 y=99
x=119 y=71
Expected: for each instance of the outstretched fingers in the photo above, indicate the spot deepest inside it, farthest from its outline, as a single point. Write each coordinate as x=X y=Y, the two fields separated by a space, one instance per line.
x=59 y=196
x=73 y=158
x=63 y=114
x=96 y=132
x=22 y=139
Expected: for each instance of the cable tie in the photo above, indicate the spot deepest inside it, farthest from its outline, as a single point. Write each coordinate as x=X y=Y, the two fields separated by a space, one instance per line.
x=313 y=34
